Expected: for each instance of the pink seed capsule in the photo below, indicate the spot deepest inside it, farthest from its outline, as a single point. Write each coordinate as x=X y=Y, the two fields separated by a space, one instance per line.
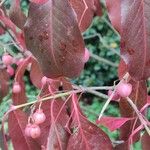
x=10 y=70
x=7 y=59
x=27 y=130
x=39 y=117
x=44 y=80
x=86 y=55
x=115 y=97
x=124 y=89
x=16 y=88
x=35 y=131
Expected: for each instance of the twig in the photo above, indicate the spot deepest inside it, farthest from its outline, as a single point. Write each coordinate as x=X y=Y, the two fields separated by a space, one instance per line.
x=102 y=41
x=13 y=39
x=2 y=2
x=93 y=88
x=103 y=60
x=111 y=27
x=111 y=96
x=140 y=116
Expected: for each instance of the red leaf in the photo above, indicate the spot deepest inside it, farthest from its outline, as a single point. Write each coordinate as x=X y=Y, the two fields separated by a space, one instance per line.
x=114 y=11
x=113 y=123
x=85 y=135
x=19 y=37
x=135 y=37
x=16 y=123
x=56 y=49
x=122 y=69
x=145 y=142
x=16 y=15
x=58 y=136
x=84 y=10
x=2 y=31
x=38 y=1
x=98 y=8
x=51 y=110
x=4 y=88
x=36 y=73
x=20 y=98
x=139 y=97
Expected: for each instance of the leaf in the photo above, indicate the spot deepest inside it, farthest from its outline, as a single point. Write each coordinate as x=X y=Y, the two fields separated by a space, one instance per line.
x=19 y=37
x=122 y=69
x=16 y=123
x=4 y=88
x=20 y=98
x=53 y=36
x=139 y=98
x=98 y=8
x=16 y=15
x=114 y=11
x=145 y=141
x=38 y=1
x=135 y=44
x=85 y=135
x=84 y=10
x=54 y=131
x=35 y=73
x=58 y=136
x=113 y=123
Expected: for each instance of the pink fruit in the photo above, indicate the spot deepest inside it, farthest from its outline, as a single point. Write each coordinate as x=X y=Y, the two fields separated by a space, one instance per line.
x=44 y=80
x=7 y=59
x=16 y=88
x=10 y=70
x=115 y=97
x=124 y=89
x=35 y=131
x=27 y=130
x=86 y=55
x=39 y=117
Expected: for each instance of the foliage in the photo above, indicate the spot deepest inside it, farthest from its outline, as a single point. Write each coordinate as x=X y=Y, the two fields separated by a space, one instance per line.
x=44 y=51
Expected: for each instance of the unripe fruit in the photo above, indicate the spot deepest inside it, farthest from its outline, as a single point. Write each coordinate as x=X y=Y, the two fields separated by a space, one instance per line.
x=124 y=89
x=7 y=59
x=86 y=55
x=35 y=131
x=27 y=130
x=115 y=97
x=39 y=117
x=16 y=88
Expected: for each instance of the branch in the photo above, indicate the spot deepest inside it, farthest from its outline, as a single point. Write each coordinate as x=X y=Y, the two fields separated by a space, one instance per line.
x=103 y=60
x=111 y=96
